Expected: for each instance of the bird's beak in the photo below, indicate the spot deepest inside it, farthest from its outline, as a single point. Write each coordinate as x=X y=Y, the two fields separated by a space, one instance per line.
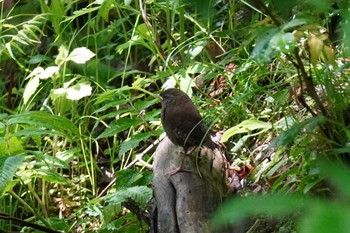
x=157 y=96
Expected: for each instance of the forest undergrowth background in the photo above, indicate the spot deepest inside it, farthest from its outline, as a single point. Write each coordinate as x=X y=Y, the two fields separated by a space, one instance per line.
x=79 y=120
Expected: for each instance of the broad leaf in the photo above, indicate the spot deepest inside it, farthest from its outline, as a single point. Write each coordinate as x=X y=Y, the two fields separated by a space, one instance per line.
x=49 y=72
x=46 y=120
x=237 y=209
x=133 y=142
x=8 y=167
x=245 y=127
x=131 y=178
x=143 y=104
x=339 y=175
x=30 y=88
x=315 y=46
x=11 y=146
x=289 y=135
x=80 y=55
x=51 y=161
x=140 y=194
x=119 y=126
x=78 y=91
x=324 y=217
x=271 y=42
x=51 y=176
x=104 y=9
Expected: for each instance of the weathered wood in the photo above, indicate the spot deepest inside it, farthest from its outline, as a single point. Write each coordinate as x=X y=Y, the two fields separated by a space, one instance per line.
x=186 y=200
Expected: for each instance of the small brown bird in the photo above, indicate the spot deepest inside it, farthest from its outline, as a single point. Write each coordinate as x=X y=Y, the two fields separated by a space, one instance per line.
x=182 y=122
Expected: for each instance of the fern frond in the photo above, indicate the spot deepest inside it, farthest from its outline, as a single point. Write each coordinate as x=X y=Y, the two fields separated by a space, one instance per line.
x=140 y=194
x=8 y=167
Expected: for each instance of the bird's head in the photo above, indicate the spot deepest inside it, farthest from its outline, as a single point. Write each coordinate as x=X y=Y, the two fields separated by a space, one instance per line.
x=172 y=94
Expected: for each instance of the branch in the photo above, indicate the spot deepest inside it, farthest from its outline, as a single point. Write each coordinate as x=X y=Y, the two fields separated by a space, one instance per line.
x=298 y=64
x=28 y=224
x=309 y=83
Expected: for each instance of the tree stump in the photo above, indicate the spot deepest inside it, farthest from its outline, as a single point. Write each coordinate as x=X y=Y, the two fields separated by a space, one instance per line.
x=186 y=200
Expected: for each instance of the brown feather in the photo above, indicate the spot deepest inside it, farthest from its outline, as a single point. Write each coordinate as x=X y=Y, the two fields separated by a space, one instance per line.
x=182 y=122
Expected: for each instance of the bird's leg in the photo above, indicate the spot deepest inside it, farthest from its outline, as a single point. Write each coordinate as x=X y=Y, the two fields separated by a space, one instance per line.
x=191 y=151
x=180 y=168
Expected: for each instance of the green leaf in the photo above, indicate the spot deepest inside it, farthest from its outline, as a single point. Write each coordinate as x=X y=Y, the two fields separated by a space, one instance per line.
x=281 y=181
x=345 y=26
x=11 y=146
x=140 y=194
x=186 y=83
x=339 y=176
x=195 y=68
x=30 y=88
x=111 y=104
x=46 y=120
x=62 y=54
x=197 y=49
x=50 y=161
x=152 y=115
x=36 y=131
x=135 y=40
x=57 y=12
x=129 y=178
x=133 y=142
x=8 y=167
x=37 y=74
x=39 y=58
x=105 y=8
x=113 y=114
x=262 y=51
x=321 y=7
x=271 y=42
x=275 y=167
x=119 y=126
x=21 y=39
x=80 y=55
x=81 y=12
x=49 y=72
x=325 y=217
x=283 y=42
x=237 y=209
x=315 y=45
x=245 y=127
x=289 y=135
x=79 y=91
x=9 y=50
x=113 y=95
x=293 y=24
x=143 y=104
x=51 y=176
x=144 y=31
x=59 y=223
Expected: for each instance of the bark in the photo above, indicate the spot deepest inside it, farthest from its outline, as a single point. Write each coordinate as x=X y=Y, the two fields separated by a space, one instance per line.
x=186 y=200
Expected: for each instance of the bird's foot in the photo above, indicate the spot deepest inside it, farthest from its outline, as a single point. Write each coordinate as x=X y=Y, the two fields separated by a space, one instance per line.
x=180 y=168
x=190 y=151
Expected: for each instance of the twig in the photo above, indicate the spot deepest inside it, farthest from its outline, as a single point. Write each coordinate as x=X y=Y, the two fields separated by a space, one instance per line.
x=309 y=83
x=267 y=11
x=137 y=159
x=298 y=64
x=5 y=216
x=140 y=156
x=149 y=25
x=302 y=75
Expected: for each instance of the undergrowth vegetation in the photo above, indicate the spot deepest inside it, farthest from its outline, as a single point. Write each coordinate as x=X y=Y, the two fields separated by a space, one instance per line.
x=79 y=119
